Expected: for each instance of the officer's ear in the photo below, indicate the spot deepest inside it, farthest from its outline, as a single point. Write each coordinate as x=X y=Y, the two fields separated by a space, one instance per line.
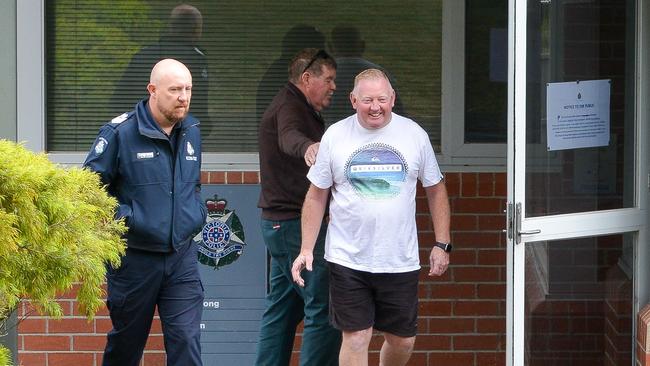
x=151 y=88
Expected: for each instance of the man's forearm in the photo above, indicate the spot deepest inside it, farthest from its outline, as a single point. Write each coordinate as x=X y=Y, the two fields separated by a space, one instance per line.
x=313 y=210
x=438 y=201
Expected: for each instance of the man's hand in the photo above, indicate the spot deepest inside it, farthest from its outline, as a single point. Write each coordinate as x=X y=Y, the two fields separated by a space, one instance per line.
x=302 y=261
x=438 y=261
x=311 y=153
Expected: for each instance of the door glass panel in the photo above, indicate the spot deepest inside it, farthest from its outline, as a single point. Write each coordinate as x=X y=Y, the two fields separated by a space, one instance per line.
x=579 y=301
x=580 y=70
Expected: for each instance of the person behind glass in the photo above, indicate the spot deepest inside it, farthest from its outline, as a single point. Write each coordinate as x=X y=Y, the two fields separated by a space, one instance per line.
x=370 y=163
x=289 y=135
x=348 y=48
x=298 y=37
x=178 y=41
x=150 y=161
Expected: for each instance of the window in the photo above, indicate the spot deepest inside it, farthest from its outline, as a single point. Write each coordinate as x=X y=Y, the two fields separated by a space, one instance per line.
x=99 y=54
x=475 y=73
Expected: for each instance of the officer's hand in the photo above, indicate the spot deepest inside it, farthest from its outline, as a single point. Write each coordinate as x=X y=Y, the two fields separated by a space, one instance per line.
x=302 y=261
x=311 y=153
x=438 y=261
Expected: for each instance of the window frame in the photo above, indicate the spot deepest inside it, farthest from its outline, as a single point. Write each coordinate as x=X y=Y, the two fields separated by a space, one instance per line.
x=454 y=149
x=456 y=155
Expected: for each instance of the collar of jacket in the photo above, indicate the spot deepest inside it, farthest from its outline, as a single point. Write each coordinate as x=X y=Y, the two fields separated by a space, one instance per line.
x=293 y=89
x=149 y=127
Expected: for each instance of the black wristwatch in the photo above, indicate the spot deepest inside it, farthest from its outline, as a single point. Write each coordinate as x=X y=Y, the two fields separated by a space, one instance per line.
x=444 y=246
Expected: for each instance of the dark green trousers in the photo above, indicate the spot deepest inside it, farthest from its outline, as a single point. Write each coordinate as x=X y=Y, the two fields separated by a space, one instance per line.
x=287 y=304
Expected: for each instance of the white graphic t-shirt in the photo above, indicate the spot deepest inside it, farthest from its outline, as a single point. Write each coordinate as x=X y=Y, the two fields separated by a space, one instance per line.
x=372 y=175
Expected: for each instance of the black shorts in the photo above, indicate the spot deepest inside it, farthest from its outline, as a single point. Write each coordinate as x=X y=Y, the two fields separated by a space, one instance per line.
x=386 y=301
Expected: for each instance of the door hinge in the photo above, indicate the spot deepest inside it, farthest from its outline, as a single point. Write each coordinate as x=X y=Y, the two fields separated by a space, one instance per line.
x=509 y=220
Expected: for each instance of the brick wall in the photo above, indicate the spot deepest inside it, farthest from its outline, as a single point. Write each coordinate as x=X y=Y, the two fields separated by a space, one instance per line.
x=462 y=313
x=643 y=337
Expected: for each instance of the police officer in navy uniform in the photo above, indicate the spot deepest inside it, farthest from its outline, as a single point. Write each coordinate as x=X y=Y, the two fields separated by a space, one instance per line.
x=150 y=160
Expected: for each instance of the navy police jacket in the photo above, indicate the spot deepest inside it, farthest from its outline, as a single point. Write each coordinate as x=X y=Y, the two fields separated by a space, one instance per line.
x=159 y=194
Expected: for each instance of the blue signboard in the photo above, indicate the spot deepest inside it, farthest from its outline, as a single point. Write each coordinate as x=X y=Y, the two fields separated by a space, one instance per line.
x=233 y=270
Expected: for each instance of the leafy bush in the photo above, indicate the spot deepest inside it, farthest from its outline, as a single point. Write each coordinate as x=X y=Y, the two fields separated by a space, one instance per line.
x=57 y=228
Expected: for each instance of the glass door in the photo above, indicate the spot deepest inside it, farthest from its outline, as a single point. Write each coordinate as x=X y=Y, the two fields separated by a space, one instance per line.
x=574 y=214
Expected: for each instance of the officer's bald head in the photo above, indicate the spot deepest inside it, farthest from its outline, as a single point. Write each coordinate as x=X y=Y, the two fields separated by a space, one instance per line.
x=168 y=66
x=170 y=91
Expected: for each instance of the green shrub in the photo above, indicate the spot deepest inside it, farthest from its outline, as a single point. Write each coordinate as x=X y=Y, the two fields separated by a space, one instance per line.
x=57 y=228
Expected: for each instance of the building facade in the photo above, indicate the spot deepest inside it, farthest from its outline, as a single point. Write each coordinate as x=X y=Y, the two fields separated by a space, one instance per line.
x=537 y=109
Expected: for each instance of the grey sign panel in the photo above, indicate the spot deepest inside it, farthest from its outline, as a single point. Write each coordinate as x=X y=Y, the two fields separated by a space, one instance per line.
x=233 y=272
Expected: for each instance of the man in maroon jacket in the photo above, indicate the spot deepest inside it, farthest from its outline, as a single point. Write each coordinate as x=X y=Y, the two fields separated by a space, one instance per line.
x=289 y=136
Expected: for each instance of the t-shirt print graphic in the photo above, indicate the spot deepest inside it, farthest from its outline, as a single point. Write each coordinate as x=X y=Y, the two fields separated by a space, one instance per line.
x=376 y=171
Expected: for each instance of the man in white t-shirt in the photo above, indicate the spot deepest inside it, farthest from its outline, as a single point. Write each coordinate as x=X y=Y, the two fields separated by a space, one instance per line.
x=370 y=162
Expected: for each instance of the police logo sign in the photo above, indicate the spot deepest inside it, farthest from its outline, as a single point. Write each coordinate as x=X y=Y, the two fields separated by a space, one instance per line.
x=221 y=241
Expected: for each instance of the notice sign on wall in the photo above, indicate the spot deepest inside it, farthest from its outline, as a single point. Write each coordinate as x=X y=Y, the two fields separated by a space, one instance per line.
x=577 y=114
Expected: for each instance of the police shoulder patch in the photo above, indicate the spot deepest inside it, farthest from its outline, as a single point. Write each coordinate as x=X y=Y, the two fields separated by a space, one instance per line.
x=100 y=145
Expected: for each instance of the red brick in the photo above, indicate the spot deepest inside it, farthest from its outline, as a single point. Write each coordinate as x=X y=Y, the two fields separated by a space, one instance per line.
x=156 y=326
x=495 y=257
x=71 y=293
x=423 y=222
x=477 y=205
x=217 y=177
x=426 y=239
x=26 y=308
x=452 y=182
x=67 y=359
x=417 y=358
x=70 y=325
x=154 y=359
x=234 y=177
x=421 y=206
x=155 y=342
x=434 y=308
x=500 y=185
x=491 y=325
x=46 y=343
x=468 y=184
x=103 y=325
x=32 y=359
x=251 y=178
x=491 y=291
x=486 y=184
x=474 y=308
x=432 y=342
x=101 y=312
x=67 y=306
x=476 y=274
x=89 y=343
x=451 y=325
x=453 y=291
x=491 y=222
x=205 y=177
x=424 y=291
x=464 y=223
x=460 y=256
x=476 y=342
x=452 y=359
x=476 y=240
x=491 y=358
x=32 y=325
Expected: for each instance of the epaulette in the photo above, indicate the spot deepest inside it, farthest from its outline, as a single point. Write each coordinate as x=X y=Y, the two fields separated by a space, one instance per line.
x=199 y=51
x=122 y=117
